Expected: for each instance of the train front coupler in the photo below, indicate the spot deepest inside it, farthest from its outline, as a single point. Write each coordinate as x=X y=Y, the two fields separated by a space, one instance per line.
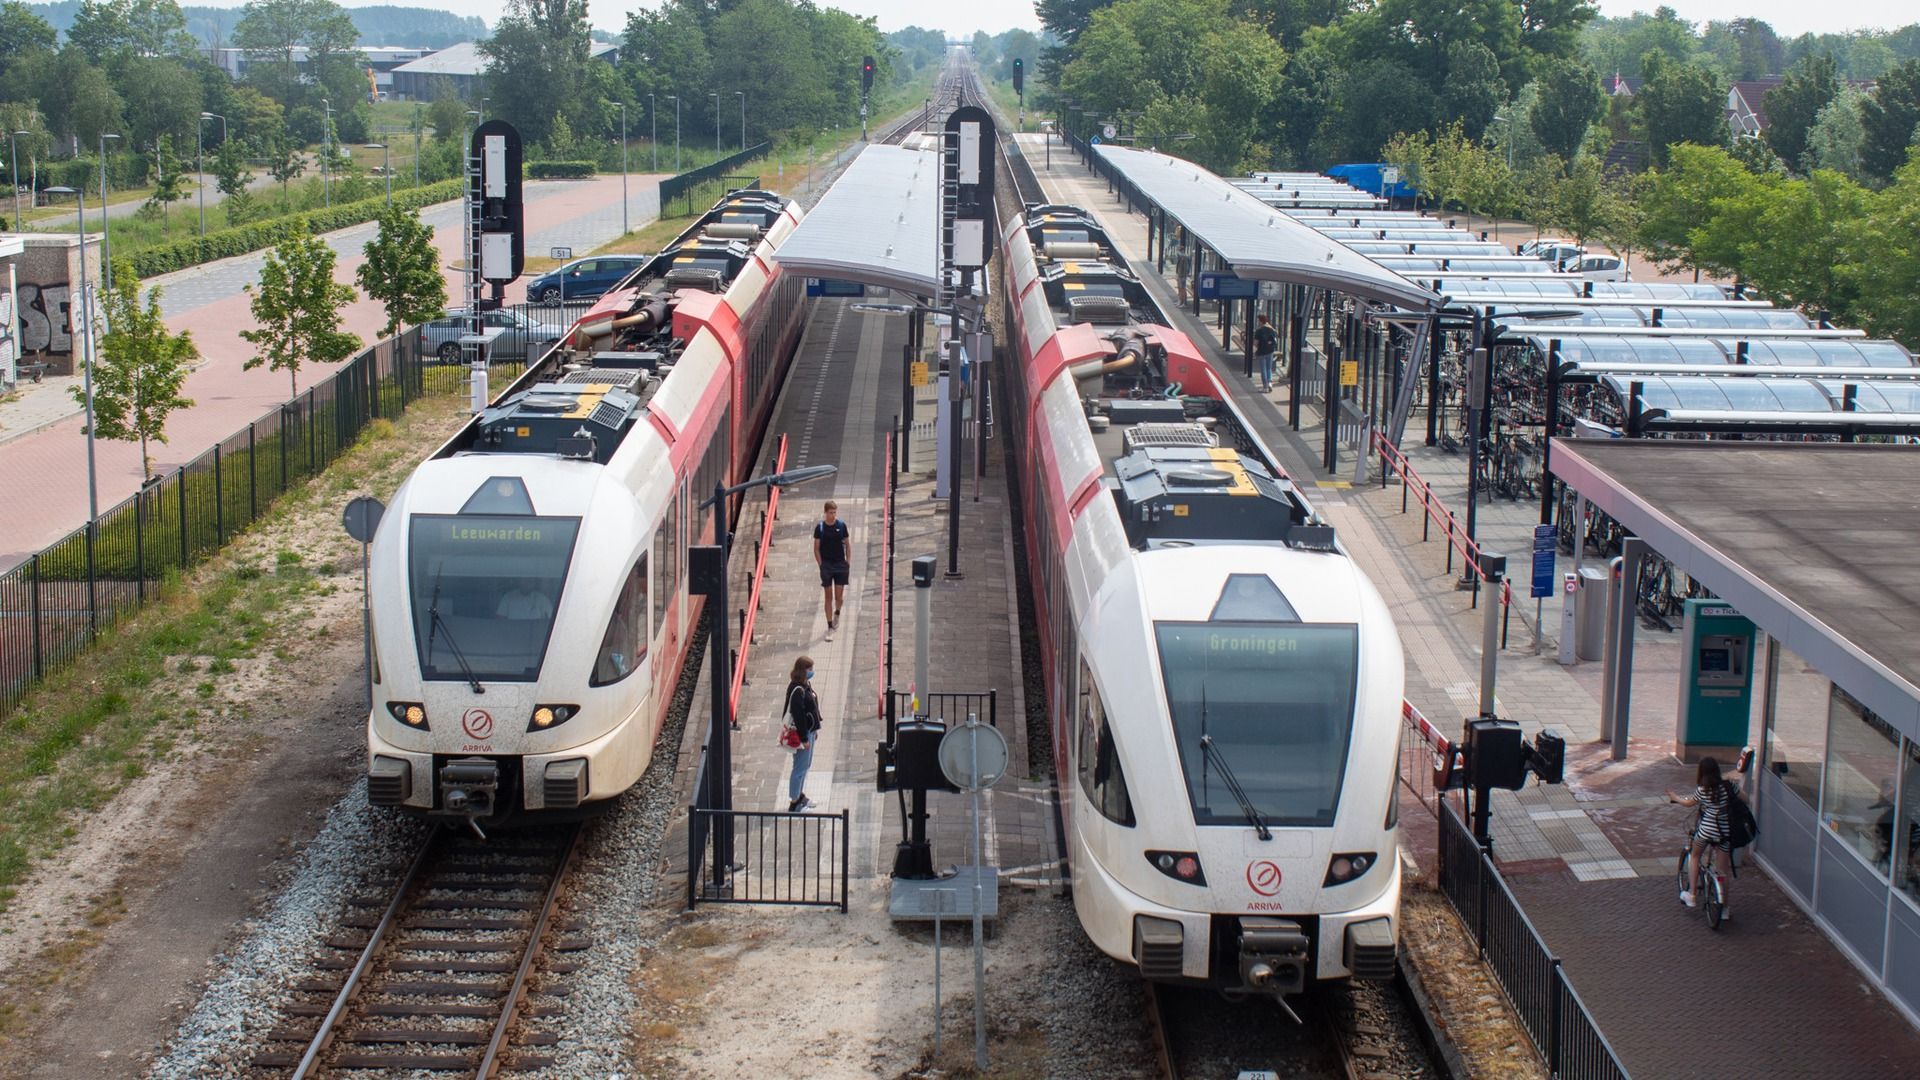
x=469 y=790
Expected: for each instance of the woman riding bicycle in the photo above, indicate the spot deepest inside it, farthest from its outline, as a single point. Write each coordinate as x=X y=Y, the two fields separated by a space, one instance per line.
x=1711 y=795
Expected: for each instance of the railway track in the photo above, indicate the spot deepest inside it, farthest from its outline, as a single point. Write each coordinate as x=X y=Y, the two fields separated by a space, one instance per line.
x=445 y=972
x=1346 y=1032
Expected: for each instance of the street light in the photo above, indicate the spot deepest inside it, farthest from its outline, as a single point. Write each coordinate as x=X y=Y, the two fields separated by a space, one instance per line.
x=200 y=159
x=624 y=227
x=86 y=346
x=708 y=576
x=326 y=142
x=742 y=95
x=716 y=123
x=384 y=169
x=106 y=235
x=676 y=131
x=653 y=132
x=13 y=141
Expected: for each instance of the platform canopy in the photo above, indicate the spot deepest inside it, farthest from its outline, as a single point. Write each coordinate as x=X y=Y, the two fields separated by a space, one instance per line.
x=876 y=225
x=1814 y=542
x=1256 y=240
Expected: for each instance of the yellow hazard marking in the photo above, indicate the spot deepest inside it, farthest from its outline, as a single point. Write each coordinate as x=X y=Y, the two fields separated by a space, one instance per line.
x=1073 y=285
x=1333 y=483
x=1227 y=460
x=1179 y=509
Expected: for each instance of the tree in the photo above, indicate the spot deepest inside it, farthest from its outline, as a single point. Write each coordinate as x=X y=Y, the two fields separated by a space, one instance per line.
x=284 y=161
x=77 y=99
x=1681 y=103
x=536 y=63
x=1793 y=106
x=1472 y=89
x=271 y=31
x=169 y=185
x=141 y=368
x=1800 y=253
x=1890 y=230
x=402 y=271
x=1568 y=102
x=162 y=98
x=297 y=308
x=1625 y=229
x=1837 y=136
x=1700 y=209
x=22 y=32
x=448 y=117
x=231 y=177
x=1889 y=117
x=1582 y=204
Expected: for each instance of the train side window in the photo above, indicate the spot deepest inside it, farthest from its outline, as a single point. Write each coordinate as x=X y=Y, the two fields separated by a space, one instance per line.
x=625 y=642
x=1100 y=770
x=664 y=587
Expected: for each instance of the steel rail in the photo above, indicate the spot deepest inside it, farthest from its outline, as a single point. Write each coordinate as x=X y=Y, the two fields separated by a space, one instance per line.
x=510 y=1007
x=330 y=1024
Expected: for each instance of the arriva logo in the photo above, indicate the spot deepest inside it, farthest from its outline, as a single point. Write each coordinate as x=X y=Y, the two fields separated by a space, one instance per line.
x=1263 y=877
x=477 y=723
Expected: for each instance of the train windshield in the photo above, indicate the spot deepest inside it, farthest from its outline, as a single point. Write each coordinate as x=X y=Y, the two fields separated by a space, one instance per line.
x=485 y=587
x=1262 y=714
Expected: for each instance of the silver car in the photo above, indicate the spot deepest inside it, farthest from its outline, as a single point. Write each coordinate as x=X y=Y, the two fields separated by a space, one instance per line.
x=519 y=333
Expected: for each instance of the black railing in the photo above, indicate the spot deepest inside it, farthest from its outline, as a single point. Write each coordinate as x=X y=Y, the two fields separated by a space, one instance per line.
x=794 y=859
x=1563 y=1031
x=54 y=603
x=674 y=187
x=949 y=708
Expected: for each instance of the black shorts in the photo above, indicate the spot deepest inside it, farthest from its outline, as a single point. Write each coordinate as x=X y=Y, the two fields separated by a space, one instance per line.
x=833 y=573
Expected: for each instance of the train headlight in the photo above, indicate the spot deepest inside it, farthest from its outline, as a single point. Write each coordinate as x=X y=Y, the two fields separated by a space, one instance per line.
x=411 y=713
x=1347 y=867
x=1183 y=866
x=546 y=716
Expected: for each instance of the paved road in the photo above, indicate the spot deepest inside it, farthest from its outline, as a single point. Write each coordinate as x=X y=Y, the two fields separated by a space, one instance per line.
x=45 y=470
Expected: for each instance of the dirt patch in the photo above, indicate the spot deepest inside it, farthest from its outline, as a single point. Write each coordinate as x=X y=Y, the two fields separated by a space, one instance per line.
x=1471 y=1009
x=255 y=717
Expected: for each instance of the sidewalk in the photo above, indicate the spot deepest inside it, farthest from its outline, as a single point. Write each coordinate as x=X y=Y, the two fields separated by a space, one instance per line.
x=1593 y=861
x=840 y=398
x=42 y=444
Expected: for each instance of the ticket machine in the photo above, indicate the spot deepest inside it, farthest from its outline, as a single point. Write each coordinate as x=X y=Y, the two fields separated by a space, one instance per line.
x=1716 y=682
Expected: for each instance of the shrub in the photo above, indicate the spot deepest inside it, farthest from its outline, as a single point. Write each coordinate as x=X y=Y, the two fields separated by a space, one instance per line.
x=240 y=240
x=559 y=170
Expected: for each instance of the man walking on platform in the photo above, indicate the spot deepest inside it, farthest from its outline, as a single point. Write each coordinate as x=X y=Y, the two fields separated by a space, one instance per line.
x=830 y=539
x=1265 y=344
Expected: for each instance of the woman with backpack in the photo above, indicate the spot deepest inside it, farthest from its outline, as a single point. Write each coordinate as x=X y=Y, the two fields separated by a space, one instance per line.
x=1712 y=796
x=803 y=716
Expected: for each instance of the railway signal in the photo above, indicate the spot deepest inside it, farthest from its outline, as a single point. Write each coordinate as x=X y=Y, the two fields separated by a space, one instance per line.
x=1020 y=88
x=866 y=88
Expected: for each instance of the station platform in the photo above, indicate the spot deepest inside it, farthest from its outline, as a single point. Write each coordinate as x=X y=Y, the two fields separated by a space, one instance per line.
x=1591 y=862
x=841 y=398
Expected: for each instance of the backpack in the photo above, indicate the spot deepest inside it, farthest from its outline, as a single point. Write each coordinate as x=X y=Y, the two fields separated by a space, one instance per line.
x=1741 y=826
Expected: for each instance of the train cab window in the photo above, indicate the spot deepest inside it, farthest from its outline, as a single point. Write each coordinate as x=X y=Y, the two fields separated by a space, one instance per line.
x=484 y=589
x=625 y=643
x=1100 y=771
x=1268 y=704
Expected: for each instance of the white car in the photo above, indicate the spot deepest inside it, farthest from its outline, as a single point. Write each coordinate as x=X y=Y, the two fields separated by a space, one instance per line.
x=1600 y=266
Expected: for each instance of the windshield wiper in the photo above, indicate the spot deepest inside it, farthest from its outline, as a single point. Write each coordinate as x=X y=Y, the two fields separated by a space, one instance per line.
x=437 y=622
x=1254 y=818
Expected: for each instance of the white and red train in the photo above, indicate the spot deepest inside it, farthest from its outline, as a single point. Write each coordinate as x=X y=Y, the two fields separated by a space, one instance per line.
x=529 y=581
x=1224 y=684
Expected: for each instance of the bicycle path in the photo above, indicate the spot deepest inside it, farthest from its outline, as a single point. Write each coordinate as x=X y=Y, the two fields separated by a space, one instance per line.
x=43 y=470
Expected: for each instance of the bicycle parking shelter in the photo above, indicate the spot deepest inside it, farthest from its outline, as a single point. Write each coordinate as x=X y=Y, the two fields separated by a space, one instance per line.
x=1813 y=543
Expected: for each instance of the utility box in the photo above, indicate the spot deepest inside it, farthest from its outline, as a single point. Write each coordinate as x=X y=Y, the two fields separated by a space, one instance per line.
x=1590 y=633
x=1716 y=681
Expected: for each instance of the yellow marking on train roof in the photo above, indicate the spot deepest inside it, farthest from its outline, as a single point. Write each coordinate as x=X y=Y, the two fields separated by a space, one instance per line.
x=1073 y=285
x=1227 y=460
x=588 y=401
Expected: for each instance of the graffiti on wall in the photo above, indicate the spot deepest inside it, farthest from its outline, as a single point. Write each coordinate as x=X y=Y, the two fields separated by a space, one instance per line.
x=44 y=321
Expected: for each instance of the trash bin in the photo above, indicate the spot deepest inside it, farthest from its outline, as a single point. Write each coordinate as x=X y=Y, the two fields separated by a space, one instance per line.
x=1590 y=635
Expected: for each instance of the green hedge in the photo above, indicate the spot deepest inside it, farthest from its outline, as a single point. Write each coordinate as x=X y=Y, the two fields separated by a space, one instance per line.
x=560 y=170
x=242 y=239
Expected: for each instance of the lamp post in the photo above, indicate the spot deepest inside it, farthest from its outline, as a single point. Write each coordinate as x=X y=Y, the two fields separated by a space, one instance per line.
x=624 y=227
x=13 y=142
x=653 y=132
x=716 y=124
x=742 y=95
x=385 y=169
x=200 y=163
x=676 y=131
x=86 y=346
x=106 y=235
x=707 y=566
x=326 y=151
x=418 y=127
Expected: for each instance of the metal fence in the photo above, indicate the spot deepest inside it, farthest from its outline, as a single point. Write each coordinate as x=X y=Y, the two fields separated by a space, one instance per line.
x=778 y=858
x=951 y=708
x=57 y=601
x=1563 y=1031
x=674 y=187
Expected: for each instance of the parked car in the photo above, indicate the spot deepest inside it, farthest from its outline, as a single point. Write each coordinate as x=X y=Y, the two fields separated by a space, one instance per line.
x=1601 y=266
x=583 y=279
x=1561 y=253
x=441 y=337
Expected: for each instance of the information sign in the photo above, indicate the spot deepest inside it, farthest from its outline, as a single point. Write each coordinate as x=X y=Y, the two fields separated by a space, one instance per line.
x=834 y=287
x=1214 y=285
x=1095 y=141
x=559 y=253
x=918 y=373
x=1546 y=538
x=1109 y=130
x=1349 y=373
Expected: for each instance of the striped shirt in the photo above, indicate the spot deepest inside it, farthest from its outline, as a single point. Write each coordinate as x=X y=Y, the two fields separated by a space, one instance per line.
x=1713 y=813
